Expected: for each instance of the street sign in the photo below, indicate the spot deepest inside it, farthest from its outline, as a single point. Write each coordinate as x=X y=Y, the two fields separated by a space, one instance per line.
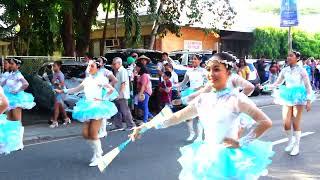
x=289 y=13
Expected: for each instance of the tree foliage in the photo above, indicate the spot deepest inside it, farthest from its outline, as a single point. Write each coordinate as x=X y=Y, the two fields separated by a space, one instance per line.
x=50 y=25
x=273 y=43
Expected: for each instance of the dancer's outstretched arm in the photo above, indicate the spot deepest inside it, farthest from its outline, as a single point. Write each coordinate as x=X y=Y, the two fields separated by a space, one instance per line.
x=186 y=113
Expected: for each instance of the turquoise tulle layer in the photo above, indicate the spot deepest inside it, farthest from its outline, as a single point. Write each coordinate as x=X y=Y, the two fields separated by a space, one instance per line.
x=11 y=133
x=21 y=99
x=200 y=160
x=291 y=96
x=187 y=92
x=86 y=110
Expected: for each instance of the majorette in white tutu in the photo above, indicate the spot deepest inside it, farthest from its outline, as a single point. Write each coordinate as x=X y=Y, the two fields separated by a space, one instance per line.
x=14 y=86
x=197 y=79
x=222 y=155
x=93 y=108
x=293 y=96
x=112 y=80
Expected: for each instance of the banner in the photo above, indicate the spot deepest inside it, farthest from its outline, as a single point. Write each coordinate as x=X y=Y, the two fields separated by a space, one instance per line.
x=193 y=45
x=288 y=13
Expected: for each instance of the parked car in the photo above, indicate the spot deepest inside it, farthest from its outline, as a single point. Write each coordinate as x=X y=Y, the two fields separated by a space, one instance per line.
x=185 y=56
x=73 y=71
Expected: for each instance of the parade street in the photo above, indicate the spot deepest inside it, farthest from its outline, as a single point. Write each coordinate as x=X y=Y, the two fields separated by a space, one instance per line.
x=155 y=156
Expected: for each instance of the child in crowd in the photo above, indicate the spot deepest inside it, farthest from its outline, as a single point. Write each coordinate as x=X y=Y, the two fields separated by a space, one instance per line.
x=58 y=83
x=165 y=89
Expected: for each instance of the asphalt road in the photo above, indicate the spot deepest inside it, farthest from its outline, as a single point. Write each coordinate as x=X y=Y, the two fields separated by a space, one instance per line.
x=155 y=156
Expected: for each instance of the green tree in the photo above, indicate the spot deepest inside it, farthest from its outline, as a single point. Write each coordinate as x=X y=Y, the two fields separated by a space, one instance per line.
x=273 y=43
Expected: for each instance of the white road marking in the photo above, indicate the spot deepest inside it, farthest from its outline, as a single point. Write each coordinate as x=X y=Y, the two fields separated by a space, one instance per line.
x=286 y=139
x=271 y=105
x=49 y=141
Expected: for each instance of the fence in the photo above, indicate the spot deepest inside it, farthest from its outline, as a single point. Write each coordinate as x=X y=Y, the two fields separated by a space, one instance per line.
x=31 y=64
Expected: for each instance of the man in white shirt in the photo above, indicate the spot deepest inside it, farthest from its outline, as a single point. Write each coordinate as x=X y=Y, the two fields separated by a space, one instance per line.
x=123 y=88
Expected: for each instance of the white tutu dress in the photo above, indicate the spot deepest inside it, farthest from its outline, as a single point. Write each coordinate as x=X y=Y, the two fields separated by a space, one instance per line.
x=209 y=159
x=11 y=134
x=297 y=89
x=96 y=104
x=20 y=99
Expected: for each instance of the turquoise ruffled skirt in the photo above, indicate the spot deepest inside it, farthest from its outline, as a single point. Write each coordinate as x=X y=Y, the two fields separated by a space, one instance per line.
x=11 y=134
x=201 y=161
x=86 y=110
x=21 y=99
x=291 y=96
x=187 y=92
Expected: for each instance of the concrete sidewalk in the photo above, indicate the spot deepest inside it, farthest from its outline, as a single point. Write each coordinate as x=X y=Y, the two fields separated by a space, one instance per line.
x=40 y=132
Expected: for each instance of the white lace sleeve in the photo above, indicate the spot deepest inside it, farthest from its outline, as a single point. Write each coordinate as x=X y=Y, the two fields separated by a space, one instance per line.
x=263 y=122
x=80 y=87
x=186 y=100
x=186 y=113
x=247 y=87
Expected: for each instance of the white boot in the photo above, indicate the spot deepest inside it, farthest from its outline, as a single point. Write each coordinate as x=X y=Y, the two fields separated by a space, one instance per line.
x=103 y=129
x=91 y=144
x=200 y=133
x=191 y=130
x=97 y=151
x=295 y=149
x=21 y=146
x=290 y=142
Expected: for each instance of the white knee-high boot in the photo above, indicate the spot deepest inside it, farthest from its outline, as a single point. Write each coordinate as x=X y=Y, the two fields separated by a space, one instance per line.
x=290 y=142
x=295 y=149
x=21 y=137
x=97 y=152
x=20 y=132
x=91 y=144
x=191 y=130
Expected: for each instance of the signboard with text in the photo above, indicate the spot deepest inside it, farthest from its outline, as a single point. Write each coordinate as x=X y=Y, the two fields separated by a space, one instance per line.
x=193 y=45
x=289 y=13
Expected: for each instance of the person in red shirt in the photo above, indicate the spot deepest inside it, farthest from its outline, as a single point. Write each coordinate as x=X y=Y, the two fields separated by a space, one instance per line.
x=165 y=89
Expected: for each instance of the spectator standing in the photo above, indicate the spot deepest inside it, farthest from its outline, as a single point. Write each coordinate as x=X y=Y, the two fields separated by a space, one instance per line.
x=317 y=78
x=173 y=79
x=244 y=70
x=274 y=71
x=144 y=90
x=131 y=66
x=123 y=88
x=307 y=67
x=261 y=69
x=58 y=83
x=165 y=89
x=144 y=60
